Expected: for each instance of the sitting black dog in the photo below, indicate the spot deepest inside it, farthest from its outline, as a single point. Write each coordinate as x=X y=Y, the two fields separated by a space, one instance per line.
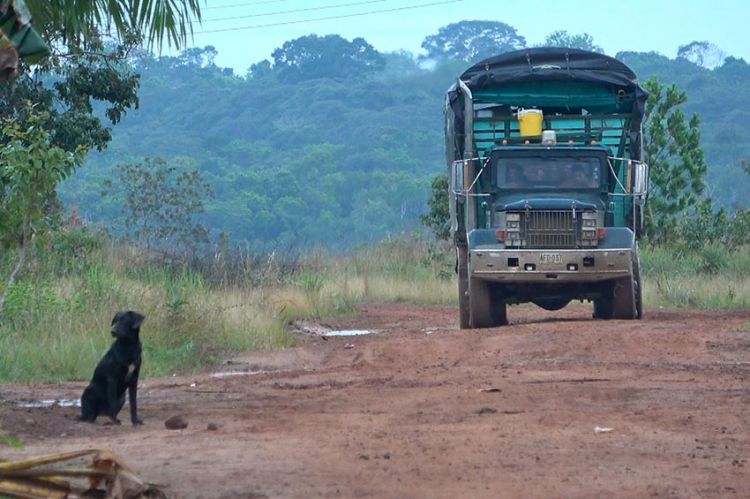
x=117 y=371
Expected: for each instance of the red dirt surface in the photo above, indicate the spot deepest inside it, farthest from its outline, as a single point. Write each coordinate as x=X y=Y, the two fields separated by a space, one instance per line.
x=425 y=410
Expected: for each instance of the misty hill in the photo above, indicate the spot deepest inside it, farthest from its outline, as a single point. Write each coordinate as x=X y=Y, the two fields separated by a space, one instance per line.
x=342 y=149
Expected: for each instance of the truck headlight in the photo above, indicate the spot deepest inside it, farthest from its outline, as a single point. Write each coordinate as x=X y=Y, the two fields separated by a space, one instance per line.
x=588 y=228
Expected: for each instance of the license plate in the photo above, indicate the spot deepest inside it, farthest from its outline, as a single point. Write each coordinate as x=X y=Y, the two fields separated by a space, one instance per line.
x=550 y=258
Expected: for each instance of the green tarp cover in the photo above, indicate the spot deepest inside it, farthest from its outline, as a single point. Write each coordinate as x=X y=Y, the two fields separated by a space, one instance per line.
x=526 y=67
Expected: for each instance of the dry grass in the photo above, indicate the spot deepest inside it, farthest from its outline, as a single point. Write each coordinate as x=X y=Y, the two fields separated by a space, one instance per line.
x=712 y=278
x=57 y=319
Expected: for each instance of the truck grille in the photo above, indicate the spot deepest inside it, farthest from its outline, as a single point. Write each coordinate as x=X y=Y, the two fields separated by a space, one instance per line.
x=550 y=229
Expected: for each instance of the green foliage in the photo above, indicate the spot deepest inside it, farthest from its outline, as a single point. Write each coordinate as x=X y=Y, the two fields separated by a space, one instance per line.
x=74 y=88
x=562 y=38
x=11 y=441
x=159 y=204
x=706 y=227
x=472 y=41
x=76 y=241
x=335 y=162
x=713 y=259
x=73 y=21
x=673 y=152
x=330 y=56
x=719 y=96
x=438 y=217
x=311 y=283
x=331 y=162
x=30 y=169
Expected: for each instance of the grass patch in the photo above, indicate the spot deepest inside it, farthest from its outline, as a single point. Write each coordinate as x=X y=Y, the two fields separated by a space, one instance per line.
x=58 y=330
x=710 y=278
x=56 y=323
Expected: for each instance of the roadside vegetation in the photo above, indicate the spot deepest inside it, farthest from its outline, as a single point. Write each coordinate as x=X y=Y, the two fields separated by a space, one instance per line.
x=712 y=277
x=55 y=322
x=56 y=318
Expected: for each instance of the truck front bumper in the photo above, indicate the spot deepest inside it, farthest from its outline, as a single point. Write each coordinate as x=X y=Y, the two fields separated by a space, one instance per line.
x=535 y=266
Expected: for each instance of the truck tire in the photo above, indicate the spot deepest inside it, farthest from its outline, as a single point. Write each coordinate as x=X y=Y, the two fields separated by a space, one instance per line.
x=638 y=287
x=603 y=305
x=551 y=304
x=486 y=304
x=462 y=268
x=624 y=298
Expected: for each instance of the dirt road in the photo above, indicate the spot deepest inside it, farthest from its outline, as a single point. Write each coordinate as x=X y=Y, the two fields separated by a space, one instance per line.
x=421 y=409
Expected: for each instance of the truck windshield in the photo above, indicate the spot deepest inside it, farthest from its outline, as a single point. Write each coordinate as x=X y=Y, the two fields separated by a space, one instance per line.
x=548 y=173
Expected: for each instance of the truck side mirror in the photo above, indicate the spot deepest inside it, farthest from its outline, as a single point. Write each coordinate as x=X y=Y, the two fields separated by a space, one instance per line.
x=640 y=183
x=457 y=181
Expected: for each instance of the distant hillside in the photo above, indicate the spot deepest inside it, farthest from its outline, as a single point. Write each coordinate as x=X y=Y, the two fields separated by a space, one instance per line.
x=721 y=97
x=299 y=159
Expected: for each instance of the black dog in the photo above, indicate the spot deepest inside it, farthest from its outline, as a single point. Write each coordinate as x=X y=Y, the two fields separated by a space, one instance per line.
x=117 y=371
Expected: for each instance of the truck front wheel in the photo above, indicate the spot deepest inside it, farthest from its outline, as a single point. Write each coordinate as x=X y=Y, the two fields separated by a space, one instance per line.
x=486 y=304
x=624 y=298
x=618 y=300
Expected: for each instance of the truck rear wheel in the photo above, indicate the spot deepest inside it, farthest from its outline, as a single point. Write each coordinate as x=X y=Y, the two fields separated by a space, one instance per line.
x=486 y=304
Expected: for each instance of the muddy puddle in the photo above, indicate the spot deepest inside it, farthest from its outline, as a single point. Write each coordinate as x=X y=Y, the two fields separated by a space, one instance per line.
x=36 y=404
x=353 y=332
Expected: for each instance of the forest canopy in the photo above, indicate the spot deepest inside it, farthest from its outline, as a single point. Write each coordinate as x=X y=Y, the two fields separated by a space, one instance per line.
x=331 y=143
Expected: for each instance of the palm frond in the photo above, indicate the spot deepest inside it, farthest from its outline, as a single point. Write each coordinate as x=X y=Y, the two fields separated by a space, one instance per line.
x=160 y=21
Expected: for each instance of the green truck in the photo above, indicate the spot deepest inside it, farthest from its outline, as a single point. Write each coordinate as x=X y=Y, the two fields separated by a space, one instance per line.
x=546 y=183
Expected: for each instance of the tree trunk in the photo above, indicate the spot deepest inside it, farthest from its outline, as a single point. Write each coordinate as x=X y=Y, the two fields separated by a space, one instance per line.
x=13 y=275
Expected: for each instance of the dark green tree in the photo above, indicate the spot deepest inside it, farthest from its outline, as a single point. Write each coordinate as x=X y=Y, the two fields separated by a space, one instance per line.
x=562 y=38
x=330 y=56
x=673 y=152
x=31 y=166
x=68 y=86
x=260 y=70
x=472 y=41
x=159 y=204
x=437 y=219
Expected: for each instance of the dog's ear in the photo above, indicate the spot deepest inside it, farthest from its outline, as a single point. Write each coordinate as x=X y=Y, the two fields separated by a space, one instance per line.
x=117 y=318
x=137 y=319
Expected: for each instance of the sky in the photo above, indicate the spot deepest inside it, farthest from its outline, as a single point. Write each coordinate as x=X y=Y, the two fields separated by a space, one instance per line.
x=632 y=25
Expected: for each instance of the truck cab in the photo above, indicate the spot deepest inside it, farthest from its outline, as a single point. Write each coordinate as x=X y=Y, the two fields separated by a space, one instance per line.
x=551 y=214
